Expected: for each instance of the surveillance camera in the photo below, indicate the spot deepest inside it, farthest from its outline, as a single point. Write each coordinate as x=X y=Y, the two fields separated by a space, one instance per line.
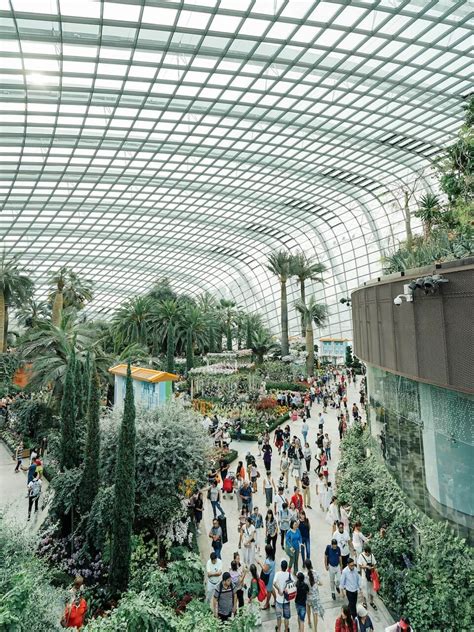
x=398 y=300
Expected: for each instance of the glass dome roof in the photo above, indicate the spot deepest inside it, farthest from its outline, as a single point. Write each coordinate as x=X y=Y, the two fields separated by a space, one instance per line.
x=188 y=139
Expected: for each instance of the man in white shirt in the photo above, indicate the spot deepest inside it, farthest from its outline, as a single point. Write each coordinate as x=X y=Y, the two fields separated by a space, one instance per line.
x=343 y=539
x=282 y=605
x=214 y=573
x=279 y=500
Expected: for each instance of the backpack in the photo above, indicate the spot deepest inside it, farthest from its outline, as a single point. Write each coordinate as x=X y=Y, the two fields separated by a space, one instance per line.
x=290 y=589
x=262 y=590
x=35 y=489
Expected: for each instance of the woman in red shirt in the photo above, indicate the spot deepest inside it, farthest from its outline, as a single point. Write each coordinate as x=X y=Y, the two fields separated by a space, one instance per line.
x=75 y=613
x=345 y=623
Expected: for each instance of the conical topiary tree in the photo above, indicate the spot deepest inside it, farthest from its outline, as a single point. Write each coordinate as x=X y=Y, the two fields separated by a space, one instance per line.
x=68 y=456
x=349 y=358
x=90 y=478
x=124 y=495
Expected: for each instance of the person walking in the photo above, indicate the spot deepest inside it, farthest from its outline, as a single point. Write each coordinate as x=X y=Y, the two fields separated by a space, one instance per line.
x=350 y=582
x=314 y=605
x=345 y=622
x=19 y=456
x=301 y=599
x=304 y=431
x=364 y=622
x=271 y=530
x=307 y=454
x=285 y=468
x=197 y=510
x=293 y=545
x=343 y=539
x=257 y=521
x=213 y=574
x=253 y=591
x=74 y=613
x=333 y=516
x=246 y=496
x=267 y=456
x=333 y=564
x=268 y=488
x=304 y=528
x=327 y=446
x=30 y=472
x=268 y=574
x=248 y=540
x=215 y=535
x=34 y=491
x=282 y=604
x=402 y=626
x=366 y=563
x=297 y=499
x=215 y=498
x=284 y=523
x=358 y=539
x=306 y=487
x=238 y=573
x=225 y=599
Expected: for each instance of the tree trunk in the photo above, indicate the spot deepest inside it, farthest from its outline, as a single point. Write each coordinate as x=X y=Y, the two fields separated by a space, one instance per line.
x=427 y=229
x=303 y=300
x=57 y=310
x=229 y=336
x=284 y=319
x=170 y=349
x=189 y=350
x=212 y=339
x=406 y=210
x=3 y=319
x=248 y=342
x=309 y=349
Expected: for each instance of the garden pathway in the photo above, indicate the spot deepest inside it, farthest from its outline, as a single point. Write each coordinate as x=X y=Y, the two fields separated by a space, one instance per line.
x=13 y=500
x=321 y=531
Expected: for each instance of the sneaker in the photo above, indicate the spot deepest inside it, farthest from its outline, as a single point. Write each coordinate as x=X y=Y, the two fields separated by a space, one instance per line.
x=333 y=596
x=338 y=590
x=28 y=518
x=199 y=531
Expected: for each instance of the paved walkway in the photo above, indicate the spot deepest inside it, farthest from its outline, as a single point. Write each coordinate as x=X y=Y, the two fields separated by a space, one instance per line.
x=13 y=500
x=320 y=530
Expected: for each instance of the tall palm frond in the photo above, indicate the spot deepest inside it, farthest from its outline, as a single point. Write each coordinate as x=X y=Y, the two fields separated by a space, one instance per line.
x=279 y=264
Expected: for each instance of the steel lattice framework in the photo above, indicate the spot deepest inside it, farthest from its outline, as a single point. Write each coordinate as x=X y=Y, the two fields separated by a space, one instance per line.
x=188 y=139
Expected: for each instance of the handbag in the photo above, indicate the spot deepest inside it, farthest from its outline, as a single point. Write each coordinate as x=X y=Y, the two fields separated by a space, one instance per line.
x=264 y=577
x=375 y=580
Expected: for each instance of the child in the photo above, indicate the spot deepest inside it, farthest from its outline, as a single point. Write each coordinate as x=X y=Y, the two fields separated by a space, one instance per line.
x=242 y=522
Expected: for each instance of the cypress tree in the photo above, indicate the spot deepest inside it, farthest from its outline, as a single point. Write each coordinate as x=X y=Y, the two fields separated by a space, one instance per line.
x=68 y=457
x=170 y=344
x=349 y=358
x=90 y=477
x=124 y=495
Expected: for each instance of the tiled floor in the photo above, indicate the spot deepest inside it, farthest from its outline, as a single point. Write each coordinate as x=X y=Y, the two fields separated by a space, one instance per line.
x=320 y=530
x=13 y=500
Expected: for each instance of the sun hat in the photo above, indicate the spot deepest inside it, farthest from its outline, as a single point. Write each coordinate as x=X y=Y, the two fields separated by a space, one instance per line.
x=361 y=611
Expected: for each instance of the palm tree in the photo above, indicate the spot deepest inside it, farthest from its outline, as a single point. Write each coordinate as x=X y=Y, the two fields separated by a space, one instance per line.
x=68 y=290
x=262 y=343
x=228 y=318
x=208 y=306
x=429 y=211
x=252 y=324
x=132 y=322
x=77 y=292
x=49 y=348
x=15 y=288
x=57 y=282
x=30 y=313
x=168 y=314
x=318 y=314
x=279 y=265
x=193 y=328
x=305 y=269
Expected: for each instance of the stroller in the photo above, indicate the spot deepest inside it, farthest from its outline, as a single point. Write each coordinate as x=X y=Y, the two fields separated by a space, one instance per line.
x=228 y=485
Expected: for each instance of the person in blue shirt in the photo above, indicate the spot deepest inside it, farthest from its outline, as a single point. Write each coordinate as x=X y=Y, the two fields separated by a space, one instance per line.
x=292 y=545
x=333 y=564
x=350 y=582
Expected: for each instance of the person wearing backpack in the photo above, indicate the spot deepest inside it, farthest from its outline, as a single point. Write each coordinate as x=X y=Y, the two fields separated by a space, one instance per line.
x=34 y=491
x=257 y=592
x=302 y=590
x=225 y=599
x=282 y=604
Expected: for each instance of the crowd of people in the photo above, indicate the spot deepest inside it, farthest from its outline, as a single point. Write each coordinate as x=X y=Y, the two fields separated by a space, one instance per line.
x=291 y=472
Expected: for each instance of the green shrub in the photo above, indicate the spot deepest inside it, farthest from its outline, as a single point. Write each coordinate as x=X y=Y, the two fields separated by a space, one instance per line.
x=31 y=418
x=430 y=583
x=286 y=386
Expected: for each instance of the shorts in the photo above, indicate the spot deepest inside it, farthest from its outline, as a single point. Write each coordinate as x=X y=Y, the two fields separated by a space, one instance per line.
x=301 y=612
x=283 y=610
